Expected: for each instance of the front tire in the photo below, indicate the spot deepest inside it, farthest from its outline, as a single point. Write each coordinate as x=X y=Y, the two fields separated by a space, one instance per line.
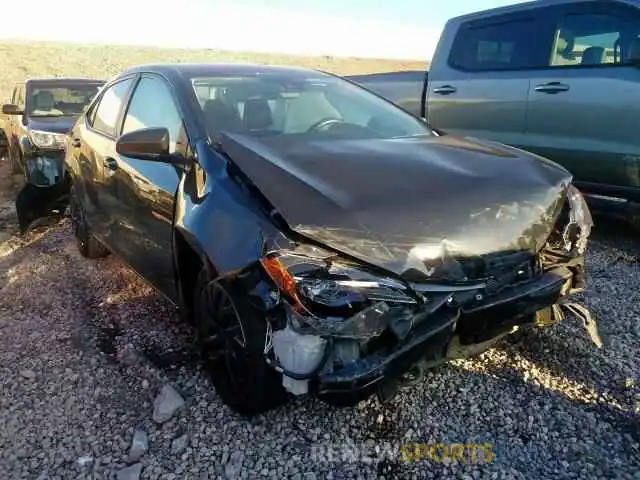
x=230 y=335
x=88 y=245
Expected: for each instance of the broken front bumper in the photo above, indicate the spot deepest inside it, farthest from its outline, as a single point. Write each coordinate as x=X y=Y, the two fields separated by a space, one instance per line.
x=44 y=168
x=429 y=342
x=45 y=192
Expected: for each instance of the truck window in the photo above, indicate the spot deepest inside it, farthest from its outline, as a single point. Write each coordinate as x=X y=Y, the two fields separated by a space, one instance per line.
x=506 y=45
x=589 y=39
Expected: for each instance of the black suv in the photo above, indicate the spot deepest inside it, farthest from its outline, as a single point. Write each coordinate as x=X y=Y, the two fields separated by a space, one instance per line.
x=39 y=115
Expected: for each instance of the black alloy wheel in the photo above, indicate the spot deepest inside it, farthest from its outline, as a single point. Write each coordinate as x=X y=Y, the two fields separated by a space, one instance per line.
x=231 y=336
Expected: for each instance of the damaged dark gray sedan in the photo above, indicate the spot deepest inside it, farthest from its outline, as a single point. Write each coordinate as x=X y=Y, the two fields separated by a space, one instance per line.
x=321 y=240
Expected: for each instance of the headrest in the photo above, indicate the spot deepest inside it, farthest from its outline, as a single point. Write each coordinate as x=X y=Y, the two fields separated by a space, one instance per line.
x=44 y=100
x=561 y=45
x=593 y=56
x=220 y=116
x=257 y=114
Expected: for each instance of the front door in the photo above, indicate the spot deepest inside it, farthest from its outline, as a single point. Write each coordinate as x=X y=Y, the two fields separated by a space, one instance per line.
x=583 y=108
x=147 y=189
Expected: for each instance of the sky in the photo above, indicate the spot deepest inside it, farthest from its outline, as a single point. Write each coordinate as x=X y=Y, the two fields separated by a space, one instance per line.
x=366 y=28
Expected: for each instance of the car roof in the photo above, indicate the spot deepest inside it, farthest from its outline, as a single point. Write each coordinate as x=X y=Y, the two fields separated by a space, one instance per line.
x=530 y=5
x=63 y=80
x=189 y=70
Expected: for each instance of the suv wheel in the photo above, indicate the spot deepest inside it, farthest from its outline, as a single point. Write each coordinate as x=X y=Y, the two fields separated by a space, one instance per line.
x=230 y=335
x=88 y=245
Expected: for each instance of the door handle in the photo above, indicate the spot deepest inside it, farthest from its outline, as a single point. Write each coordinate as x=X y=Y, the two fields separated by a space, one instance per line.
x=445 y=90
x=75 y=142
x=552 y=87
x=110 y=163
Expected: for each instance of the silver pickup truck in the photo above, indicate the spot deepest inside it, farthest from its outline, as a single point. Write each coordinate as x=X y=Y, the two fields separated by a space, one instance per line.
x=560 y=78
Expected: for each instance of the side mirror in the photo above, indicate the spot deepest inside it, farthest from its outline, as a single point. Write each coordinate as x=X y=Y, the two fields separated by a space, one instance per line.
x=11 y=109
x=148 y=144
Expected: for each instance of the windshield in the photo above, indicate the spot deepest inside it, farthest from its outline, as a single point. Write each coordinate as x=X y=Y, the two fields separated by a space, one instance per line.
x=307 y=104
x=58 y=101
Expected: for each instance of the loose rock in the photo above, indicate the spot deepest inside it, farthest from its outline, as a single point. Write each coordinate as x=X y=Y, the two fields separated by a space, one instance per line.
x=139 y=445
x=132 y=472
x=179 y=444
x=166 y=404
x=234 y=465
x=28 y=374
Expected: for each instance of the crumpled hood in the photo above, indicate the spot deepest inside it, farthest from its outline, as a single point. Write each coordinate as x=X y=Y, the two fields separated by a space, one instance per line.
x=52 y=124
x=400 y=203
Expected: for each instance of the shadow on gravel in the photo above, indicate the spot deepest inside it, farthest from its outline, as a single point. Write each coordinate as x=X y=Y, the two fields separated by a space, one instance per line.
x=145 y=321
x=616 y=232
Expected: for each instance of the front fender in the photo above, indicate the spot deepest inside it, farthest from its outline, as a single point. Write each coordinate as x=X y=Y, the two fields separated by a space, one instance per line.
x=222 y=223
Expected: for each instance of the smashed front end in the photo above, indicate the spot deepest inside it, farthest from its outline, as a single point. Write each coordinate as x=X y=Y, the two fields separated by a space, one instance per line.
x=344 y=329
x=45 y=191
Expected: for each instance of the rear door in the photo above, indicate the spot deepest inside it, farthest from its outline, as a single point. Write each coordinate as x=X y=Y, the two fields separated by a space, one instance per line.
x=479 y=81
x=147 y=189
x=584 y=105
x=95 y=152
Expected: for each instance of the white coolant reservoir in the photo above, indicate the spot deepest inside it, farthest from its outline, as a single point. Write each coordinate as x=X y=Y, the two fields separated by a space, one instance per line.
x=299 y=354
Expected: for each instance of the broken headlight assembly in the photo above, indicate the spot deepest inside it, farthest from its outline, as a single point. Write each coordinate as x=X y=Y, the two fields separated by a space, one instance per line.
x=330 y=297
x=578 y=228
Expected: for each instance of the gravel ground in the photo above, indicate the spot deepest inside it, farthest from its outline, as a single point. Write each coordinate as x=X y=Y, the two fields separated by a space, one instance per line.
x=86 y=347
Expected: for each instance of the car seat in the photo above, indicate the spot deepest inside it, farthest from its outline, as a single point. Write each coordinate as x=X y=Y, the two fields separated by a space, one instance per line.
x=220 y=116
x=593 y=56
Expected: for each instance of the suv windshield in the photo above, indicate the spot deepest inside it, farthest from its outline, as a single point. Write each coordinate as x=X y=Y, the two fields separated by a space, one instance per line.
x=58 y=101
x=313 y=105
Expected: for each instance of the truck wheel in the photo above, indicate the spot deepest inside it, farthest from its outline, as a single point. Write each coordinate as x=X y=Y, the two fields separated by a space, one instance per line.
x=230 y=335
x=88 y=245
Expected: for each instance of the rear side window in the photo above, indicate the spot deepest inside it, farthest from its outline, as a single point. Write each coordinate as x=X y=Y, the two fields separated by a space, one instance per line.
x=591 y=39
x=104 y=116
x=500 y=45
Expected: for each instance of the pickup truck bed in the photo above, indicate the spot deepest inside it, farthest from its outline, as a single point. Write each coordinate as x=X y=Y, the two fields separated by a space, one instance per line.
x=405 y=89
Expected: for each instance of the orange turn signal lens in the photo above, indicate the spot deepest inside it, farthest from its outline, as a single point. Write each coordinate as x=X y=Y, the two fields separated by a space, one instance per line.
x=282 y=278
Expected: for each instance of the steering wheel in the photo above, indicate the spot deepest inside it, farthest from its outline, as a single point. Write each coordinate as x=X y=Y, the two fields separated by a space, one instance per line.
x=324 y=123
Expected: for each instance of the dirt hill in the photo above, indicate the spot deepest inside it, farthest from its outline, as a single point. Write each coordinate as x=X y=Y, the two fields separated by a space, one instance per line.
x=19 y=60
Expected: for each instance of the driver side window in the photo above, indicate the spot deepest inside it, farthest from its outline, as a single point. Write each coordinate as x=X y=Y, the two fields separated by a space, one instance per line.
x=152 y=105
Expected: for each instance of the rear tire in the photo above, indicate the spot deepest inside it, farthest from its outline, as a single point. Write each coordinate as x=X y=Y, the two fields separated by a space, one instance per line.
x=88 y=245
x=230 y=335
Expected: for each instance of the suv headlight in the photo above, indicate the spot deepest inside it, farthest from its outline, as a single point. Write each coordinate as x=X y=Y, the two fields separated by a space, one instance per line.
x=333 y=297
x=47 y=139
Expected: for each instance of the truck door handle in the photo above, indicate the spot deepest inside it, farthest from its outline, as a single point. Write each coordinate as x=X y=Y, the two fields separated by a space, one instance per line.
x=75 y=142
x=110 y=163
x=445 y=90
x=552 y=87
